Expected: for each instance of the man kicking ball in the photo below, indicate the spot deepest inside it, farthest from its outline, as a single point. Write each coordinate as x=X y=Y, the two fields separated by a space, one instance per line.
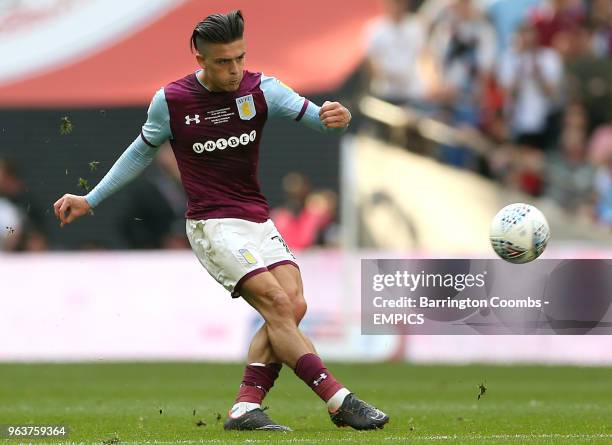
x=214 y=120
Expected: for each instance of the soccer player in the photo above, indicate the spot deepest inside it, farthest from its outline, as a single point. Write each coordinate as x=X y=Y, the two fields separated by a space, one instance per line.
x=214 y=119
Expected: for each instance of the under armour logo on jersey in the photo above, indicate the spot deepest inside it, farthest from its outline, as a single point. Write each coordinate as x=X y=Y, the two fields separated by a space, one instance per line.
x=318 y=381
x=189 y=119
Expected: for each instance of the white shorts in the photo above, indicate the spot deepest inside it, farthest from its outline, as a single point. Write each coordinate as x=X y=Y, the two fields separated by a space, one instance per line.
x=232 y=250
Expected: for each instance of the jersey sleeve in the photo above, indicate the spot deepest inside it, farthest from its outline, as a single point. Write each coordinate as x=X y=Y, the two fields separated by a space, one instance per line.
x=156 y=129
x=285 y=103
x=129 y=165
x=139 y=154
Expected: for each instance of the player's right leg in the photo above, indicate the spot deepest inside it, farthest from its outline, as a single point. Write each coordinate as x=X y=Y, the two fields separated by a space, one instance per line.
x=268 y=297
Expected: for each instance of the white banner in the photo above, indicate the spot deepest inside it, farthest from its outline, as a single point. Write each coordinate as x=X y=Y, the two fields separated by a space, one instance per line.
x=164 y=306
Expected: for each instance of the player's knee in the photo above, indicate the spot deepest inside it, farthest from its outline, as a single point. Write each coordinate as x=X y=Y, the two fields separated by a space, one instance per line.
x=280 y=306
x=297 y=302
x=299 y=309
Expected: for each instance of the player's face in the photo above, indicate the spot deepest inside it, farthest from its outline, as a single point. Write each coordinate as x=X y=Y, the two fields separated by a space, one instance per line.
x=223 y=64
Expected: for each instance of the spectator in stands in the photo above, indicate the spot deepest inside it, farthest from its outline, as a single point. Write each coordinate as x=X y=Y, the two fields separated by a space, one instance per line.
x=394 y=46
x=154 y=216
x=31 y=235
x=569 y=174
x=532 y=78
x=600 y=154
x=326 y=202
x=589 y=76
x=463 y=46
x=304 y=216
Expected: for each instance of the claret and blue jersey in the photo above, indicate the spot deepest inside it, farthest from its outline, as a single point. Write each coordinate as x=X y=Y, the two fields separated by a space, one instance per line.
x=215 y=137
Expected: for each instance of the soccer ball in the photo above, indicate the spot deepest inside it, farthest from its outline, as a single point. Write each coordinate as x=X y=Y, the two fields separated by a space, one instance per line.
x=519 y=233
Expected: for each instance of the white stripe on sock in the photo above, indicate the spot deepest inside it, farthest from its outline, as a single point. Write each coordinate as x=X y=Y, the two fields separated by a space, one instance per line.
x=336 y=400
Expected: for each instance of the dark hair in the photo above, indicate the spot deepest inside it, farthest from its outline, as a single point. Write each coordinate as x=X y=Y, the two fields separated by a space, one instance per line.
x=218 y=28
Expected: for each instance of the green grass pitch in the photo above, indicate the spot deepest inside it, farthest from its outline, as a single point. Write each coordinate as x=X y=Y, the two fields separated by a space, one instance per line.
x=185 y=403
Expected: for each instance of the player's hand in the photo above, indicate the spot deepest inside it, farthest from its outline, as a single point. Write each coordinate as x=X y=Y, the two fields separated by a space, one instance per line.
x=70 y=207
x=334 y=115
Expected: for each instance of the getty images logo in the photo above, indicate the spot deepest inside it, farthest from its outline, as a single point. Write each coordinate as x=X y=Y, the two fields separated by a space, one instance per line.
x=222 y=143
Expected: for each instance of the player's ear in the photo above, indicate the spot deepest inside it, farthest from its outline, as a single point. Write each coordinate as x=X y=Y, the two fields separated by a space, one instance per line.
x=201 y=60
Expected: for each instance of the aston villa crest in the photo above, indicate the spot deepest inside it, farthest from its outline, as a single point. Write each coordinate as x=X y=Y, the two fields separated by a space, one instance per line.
x=246 y=107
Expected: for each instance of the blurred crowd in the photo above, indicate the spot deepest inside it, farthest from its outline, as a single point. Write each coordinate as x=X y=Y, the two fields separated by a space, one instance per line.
x=153 y=217
x=533 y=77
x=153 y=214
